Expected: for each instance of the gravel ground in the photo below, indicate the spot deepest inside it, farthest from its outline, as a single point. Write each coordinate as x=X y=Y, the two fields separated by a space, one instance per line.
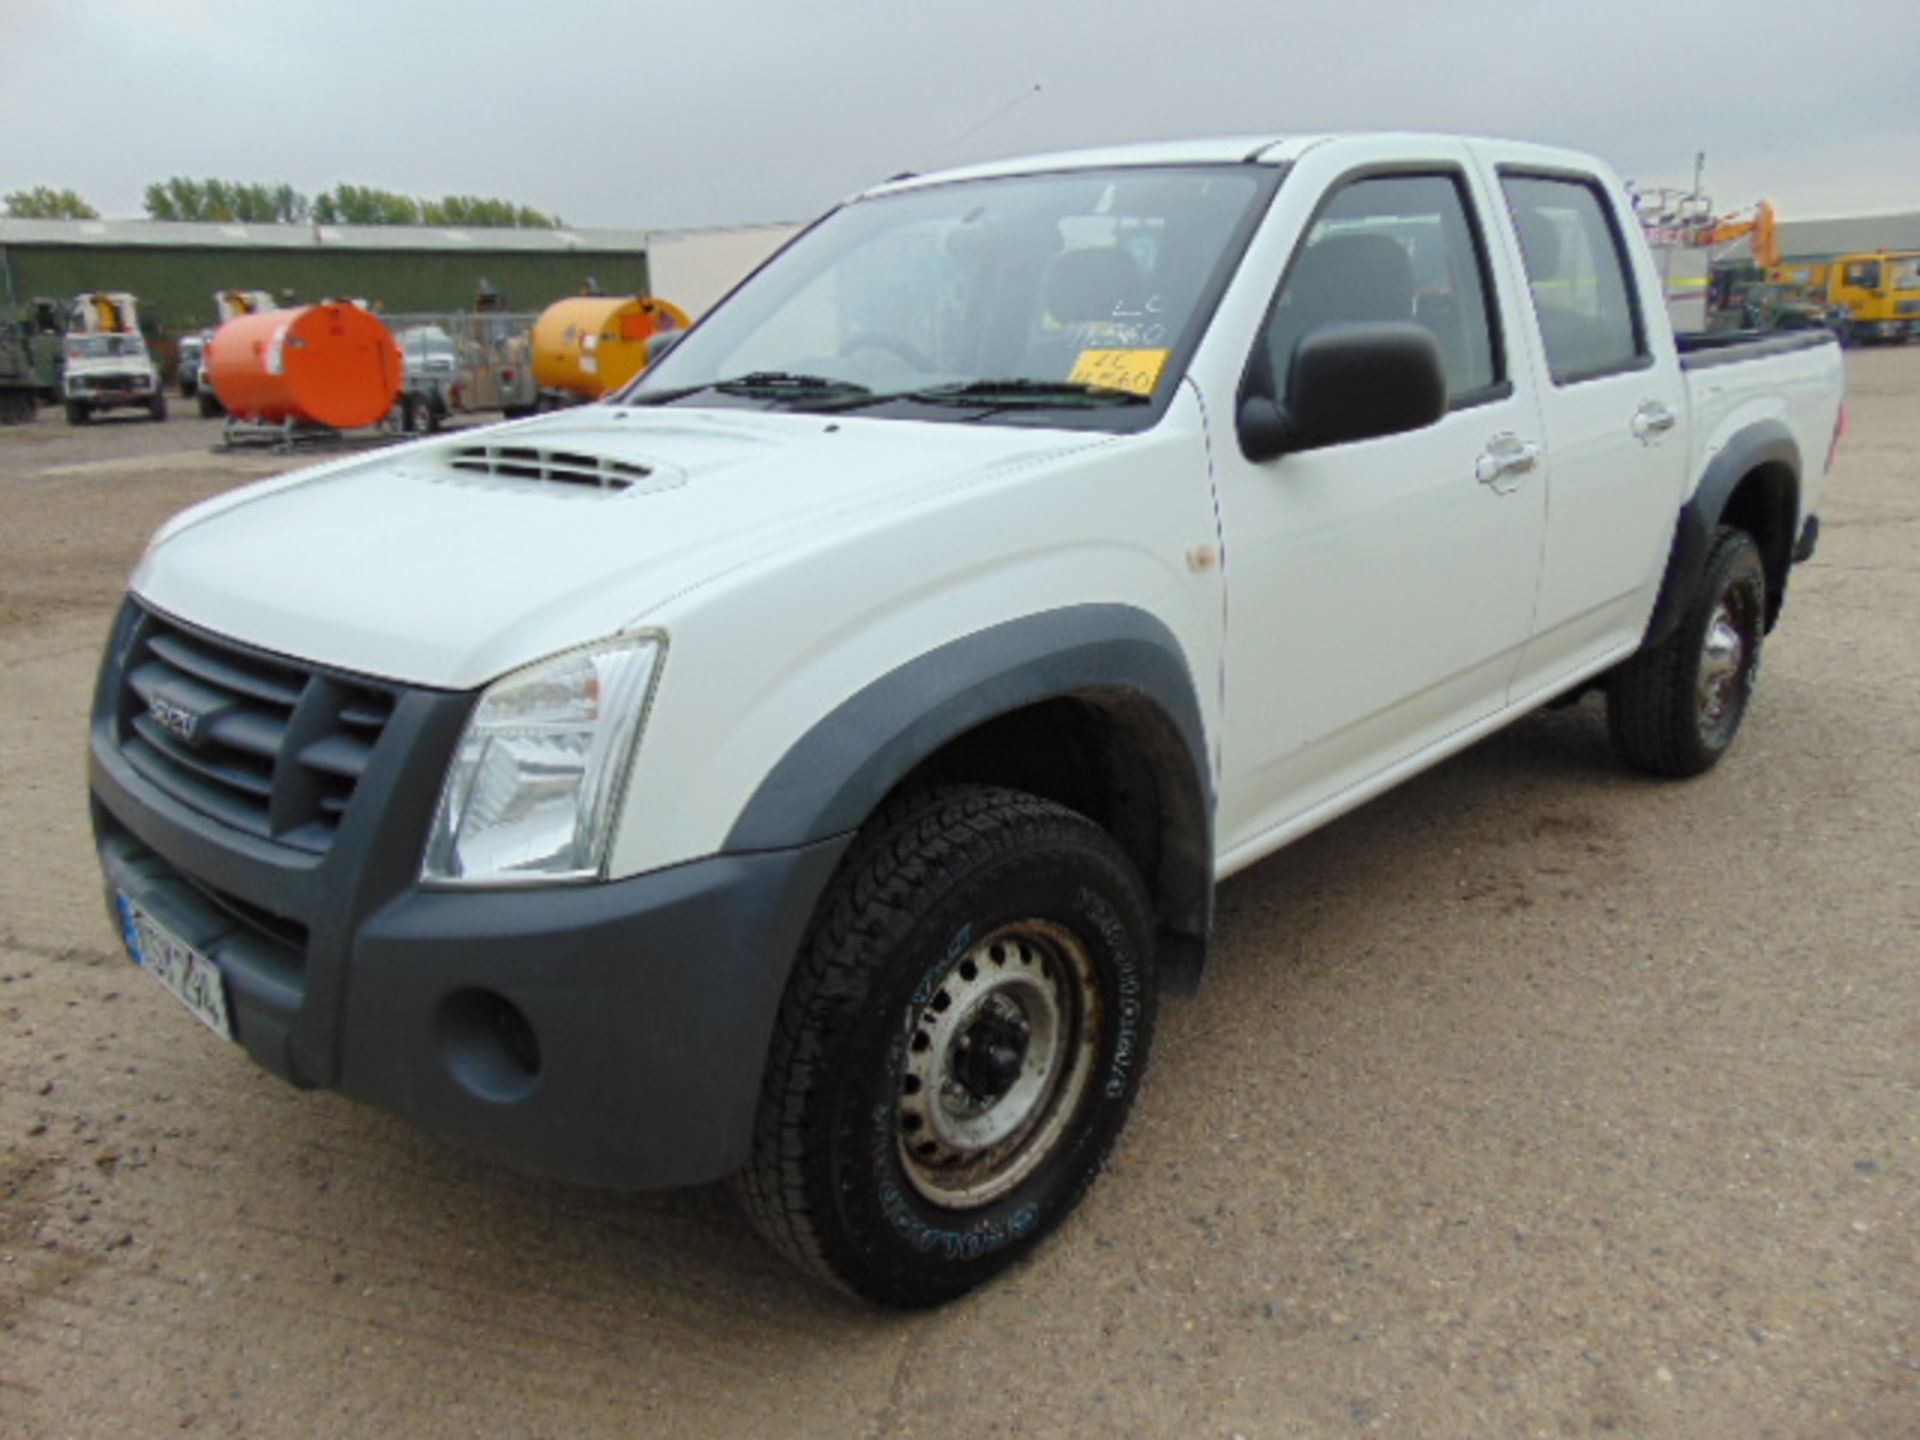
x=1533 y=1099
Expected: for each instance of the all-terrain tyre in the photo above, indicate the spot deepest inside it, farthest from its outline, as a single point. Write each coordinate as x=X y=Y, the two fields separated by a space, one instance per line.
x=958 y=1047
x=1675 y=708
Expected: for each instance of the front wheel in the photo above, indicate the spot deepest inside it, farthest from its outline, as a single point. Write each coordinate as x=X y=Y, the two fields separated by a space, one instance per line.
x=157 y=407
x=1674 y=709
x=77 y=412
x=958 y=1048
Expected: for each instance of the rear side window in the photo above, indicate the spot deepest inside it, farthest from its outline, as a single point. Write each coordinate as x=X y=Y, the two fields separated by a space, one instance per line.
x=1394 y=247
x=1576 y=269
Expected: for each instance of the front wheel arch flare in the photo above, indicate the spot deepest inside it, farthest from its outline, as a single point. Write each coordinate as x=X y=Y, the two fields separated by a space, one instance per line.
x=1113 y=660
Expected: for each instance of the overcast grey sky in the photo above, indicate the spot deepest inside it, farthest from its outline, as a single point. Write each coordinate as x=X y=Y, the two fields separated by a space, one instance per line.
x=657 y=115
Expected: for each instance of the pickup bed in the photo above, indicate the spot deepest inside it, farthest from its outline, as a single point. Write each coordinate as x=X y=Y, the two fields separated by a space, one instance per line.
x=812 y=764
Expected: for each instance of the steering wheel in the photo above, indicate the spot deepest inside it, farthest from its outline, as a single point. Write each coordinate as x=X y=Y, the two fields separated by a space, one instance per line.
x=899 y=349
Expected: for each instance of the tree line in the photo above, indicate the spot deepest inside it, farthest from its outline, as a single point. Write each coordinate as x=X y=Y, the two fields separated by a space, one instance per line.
x=182 y=198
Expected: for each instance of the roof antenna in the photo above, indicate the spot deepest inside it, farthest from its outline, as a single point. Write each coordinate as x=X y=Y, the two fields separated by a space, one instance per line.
x=1004 y=110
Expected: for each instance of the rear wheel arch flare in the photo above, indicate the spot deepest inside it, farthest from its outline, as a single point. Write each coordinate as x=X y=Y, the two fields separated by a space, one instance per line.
x=1757 y=473
x=1765 y=504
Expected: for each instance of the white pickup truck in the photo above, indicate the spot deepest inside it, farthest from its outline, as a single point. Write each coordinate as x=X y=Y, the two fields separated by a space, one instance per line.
x=811 y=764
x=110 y=371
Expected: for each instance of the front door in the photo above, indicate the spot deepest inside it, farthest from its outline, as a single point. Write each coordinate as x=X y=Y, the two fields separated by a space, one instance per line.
x=1378 y=593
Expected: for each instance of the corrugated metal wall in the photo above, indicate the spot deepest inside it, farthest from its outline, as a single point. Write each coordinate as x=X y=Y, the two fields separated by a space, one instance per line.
x=176 y=287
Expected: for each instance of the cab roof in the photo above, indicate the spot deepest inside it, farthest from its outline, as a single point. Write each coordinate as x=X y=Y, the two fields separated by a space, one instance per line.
x=1214 y=150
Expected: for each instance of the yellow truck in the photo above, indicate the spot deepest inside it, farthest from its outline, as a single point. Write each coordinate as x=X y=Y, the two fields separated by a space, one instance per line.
x=1878 y=293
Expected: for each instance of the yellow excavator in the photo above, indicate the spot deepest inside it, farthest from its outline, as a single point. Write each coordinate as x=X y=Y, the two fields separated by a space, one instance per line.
x=1759 y=223
x=1785 y=297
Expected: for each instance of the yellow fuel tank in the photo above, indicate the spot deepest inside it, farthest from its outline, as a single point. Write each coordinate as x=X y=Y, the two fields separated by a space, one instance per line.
x=590 y=344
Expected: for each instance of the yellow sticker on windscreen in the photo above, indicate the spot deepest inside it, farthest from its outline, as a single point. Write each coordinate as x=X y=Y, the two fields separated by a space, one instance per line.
x=1134 y=370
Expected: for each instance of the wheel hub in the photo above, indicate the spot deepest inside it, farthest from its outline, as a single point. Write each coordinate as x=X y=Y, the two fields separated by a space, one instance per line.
x=990 y=1055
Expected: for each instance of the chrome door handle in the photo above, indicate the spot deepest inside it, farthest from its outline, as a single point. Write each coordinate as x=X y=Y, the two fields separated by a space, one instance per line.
x=1653 y=418
x=1505 y=462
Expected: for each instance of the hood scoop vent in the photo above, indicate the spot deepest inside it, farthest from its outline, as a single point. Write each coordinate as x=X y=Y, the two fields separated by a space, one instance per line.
x=561 y=467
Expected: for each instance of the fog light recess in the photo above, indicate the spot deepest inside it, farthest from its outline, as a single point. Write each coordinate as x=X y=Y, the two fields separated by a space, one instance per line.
x=489 y=1046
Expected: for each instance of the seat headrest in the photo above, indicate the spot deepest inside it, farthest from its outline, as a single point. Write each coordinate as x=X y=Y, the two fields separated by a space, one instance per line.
x=1539 y=243
x=1090 y=285
x=1356 y=277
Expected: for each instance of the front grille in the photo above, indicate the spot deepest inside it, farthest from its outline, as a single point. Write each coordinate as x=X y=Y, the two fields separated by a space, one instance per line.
x=260 y=742
x=567 y=467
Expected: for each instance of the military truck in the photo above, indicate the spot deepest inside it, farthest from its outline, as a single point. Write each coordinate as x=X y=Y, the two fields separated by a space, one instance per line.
x=19 y=389
x=31 y=357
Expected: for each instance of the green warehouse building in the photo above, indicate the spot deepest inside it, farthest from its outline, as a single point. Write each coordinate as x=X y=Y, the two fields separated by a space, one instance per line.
x=174 y=268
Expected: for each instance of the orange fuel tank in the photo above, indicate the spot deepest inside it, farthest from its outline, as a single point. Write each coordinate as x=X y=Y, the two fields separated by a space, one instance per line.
x=331 y=364
x=590 y=344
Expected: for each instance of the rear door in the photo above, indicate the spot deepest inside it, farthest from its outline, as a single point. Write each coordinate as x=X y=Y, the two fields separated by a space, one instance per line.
x=1612 y=401
x=1379 y=592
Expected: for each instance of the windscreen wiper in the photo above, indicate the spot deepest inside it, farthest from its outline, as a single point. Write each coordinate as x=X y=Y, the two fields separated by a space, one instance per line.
x=763 y=384
x=1012 y=390
x=784 y=383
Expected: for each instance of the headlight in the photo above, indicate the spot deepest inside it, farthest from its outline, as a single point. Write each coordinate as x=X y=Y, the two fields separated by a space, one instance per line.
x=536 y=781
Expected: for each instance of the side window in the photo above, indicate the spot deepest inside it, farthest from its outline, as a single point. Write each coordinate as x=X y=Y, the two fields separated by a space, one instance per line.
x=1865 y=274
x=1576 y=269
x=1394 y=247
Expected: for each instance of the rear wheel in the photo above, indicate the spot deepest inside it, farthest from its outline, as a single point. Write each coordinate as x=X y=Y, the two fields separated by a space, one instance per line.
x=958 y=1048
x=1674 y=709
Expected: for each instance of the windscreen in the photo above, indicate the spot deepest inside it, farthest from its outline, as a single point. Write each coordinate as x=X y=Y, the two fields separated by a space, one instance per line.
x=94 y=347
x=1079 y=288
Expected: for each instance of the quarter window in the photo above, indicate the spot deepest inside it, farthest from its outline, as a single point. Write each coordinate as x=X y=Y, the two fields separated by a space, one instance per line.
x=1576 y=270
x=1394 y=247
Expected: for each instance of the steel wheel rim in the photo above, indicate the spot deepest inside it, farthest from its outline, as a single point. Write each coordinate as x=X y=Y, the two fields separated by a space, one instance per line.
x=971 y=1123
x=1722 y=657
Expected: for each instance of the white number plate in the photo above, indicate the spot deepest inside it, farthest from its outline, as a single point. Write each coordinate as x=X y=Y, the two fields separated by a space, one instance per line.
x=194 y=979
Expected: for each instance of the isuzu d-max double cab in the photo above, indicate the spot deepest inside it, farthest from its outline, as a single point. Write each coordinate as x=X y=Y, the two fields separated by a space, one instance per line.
x=810 y=764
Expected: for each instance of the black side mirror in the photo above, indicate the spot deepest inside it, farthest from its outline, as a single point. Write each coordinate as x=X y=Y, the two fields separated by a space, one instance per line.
x=658 y=344
x=1352 y=381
